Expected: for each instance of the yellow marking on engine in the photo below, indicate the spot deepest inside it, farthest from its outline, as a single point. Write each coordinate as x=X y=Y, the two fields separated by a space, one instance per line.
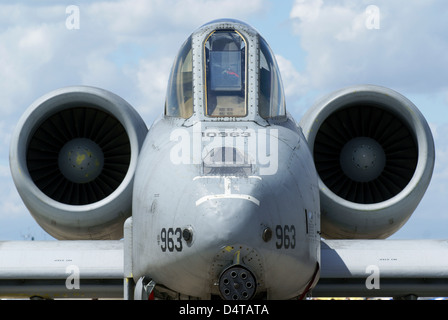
x=80 y=158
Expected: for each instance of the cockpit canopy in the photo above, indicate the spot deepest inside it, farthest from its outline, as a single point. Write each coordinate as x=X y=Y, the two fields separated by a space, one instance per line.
x=232 y=71
x=179 y=97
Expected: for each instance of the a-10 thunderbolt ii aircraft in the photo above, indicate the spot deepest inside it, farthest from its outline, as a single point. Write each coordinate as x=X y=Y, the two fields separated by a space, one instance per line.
x=226 y=195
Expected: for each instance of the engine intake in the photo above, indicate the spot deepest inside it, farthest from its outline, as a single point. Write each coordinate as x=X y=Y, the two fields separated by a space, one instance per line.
x=79 y=156
x=73 y=157
x=374 y=153
x=364 y=154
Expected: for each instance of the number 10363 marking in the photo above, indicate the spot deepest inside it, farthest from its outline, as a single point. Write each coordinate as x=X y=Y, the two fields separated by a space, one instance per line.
x=286 y=237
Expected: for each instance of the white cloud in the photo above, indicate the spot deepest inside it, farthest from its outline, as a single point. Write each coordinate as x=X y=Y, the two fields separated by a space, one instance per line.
x=160 y=18
x=152 y=80
x=408 y=52
x=306 y=10
x=39 y=53
x=294 y=83
x=23 y=52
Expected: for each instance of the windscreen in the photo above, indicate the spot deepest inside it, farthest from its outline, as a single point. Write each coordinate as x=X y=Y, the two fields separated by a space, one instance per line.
x=225 y=73
x=225 y=54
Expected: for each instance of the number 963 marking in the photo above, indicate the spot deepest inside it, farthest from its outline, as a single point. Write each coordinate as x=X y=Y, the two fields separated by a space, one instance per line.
x=286 y=237
x=170 y=239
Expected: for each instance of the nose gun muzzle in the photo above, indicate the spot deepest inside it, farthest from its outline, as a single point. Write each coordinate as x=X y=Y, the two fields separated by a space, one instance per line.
x=237 y=283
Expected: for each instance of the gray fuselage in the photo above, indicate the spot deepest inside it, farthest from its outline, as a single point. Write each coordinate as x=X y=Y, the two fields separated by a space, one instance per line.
x=214 y=195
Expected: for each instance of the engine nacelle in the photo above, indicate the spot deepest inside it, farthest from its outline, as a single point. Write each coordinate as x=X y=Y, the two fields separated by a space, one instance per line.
x=73 y=157
x=374 y=153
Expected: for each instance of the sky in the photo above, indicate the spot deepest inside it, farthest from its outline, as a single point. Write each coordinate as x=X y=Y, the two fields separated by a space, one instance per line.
x=128 y=47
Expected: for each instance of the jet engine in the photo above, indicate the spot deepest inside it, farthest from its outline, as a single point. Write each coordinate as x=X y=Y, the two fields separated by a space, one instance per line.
x=72 y=157
x=374 y=154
